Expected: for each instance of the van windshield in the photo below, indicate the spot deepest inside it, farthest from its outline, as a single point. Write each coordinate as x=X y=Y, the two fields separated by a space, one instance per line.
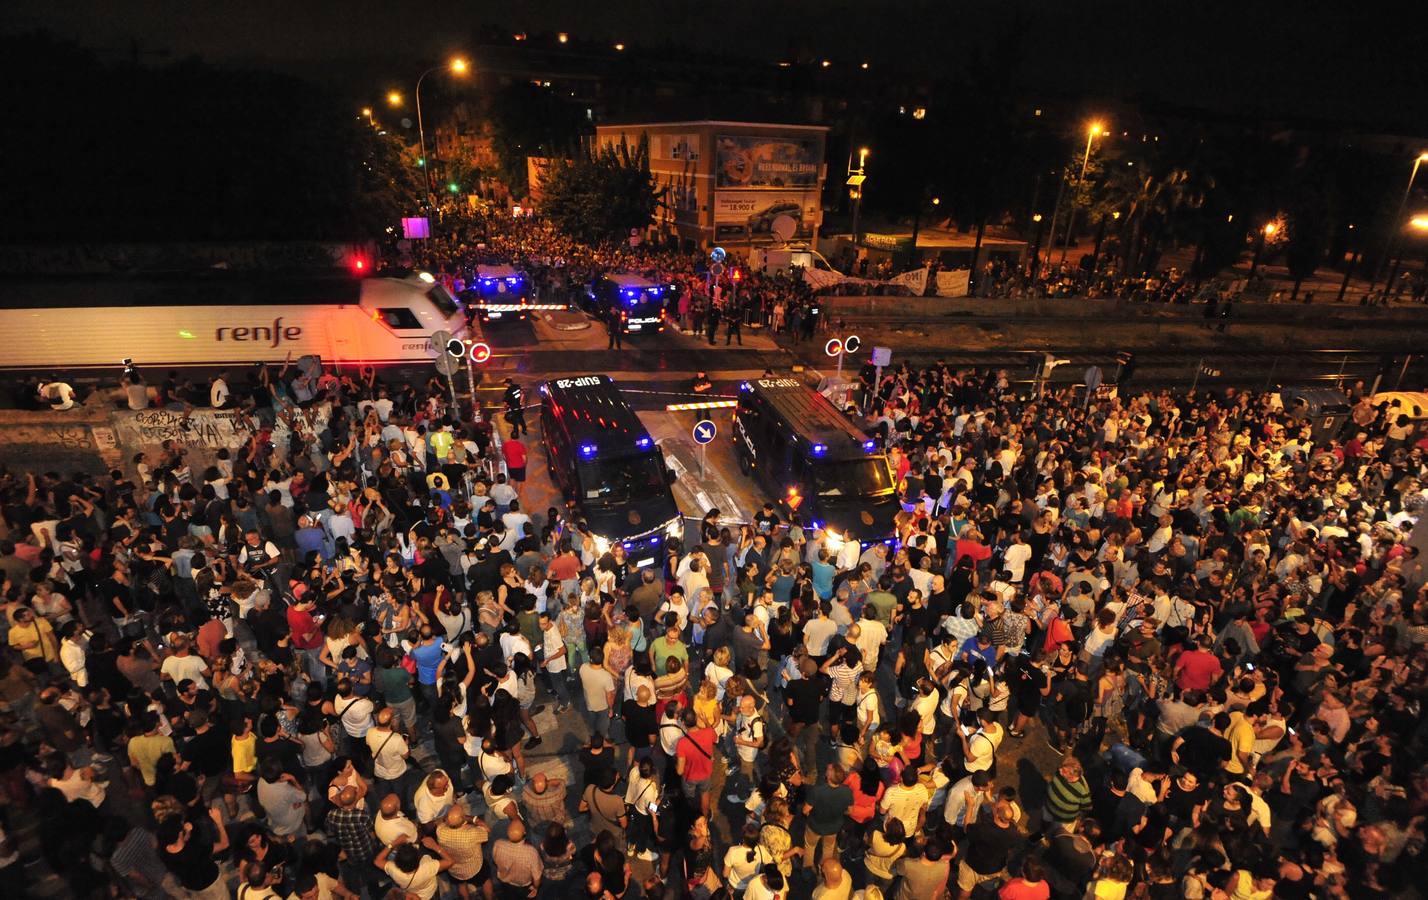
x=621 y=480
x=852 y=477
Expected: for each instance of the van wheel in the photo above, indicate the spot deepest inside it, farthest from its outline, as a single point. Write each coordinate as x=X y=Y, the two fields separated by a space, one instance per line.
x=744 y=466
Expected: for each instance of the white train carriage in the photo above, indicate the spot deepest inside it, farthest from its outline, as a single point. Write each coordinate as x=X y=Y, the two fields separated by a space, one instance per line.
x=221 y=318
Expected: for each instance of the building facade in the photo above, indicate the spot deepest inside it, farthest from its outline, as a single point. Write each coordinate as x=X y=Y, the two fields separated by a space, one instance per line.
x=727 y=183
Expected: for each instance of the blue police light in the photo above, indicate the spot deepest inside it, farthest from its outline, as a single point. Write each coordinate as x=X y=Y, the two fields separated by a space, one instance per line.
x=644 y=443
x=627 y=545
x=513 y=279
x=869 y=446
x=655 y=291
x=745 y=386
x=820 y=449
x=654 y=540
x=587 y=451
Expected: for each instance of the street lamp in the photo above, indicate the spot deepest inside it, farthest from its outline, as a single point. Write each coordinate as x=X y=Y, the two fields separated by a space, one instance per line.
x=927 y=197
x=367 y=111
x=1266 y=232
x=1393 y=233
x=856 y=177
x=394 y=98
x=1036 y=247
x=1092 y=133
x=457 y=66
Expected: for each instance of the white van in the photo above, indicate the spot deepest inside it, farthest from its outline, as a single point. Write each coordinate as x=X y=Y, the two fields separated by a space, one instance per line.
x=225 y=317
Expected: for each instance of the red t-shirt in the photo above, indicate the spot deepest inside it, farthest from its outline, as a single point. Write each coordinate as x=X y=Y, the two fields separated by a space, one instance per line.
x=564 y=567
x=1021 y=889
x=697 y=750
x=1197 y=670
x=515 y=453
x=301 y=622
x=977 y=551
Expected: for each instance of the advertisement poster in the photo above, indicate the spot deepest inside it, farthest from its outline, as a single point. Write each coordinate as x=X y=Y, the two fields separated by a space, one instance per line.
x=767 y=163
x=751 y=214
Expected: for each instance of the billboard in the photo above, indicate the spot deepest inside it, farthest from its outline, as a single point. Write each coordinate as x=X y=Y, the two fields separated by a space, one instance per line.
x=767 y=163
x=750 y=214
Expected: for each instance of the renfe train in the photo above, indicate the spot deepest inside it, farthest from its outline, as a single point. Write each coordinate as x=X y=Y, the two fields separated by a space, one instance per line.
x=219 y=317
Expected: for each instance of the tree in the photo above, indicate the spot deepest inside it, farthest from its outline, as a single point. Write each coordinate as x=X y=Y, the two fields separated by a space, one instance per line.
x=602 y=193
x=527 y=120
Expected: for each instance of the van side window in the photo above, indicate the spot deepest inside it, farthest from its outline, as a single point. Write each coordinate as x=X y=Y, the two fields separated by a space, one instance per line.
x=399 y=318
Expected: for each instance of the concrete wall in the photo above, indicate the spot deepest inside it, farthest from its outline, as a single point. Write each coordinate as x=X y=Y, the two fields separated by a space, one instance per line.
x=1121 y=310
x=97 y=437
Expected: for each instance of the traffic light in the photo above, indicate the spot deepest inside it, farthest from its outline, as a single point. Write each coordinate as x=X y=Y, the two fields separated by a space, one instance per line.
x=737 y=275
x=480 y=352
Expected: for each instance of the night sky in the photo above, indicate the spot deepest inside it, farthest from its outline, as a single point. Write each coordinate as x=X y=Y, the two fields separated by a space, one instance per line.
x=1351 y=61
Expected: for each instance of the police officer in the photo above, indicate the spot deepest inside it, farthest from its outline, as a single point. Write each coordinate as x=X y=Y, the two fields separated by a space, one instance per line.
x=734 y=323
x=612 y=325
x=515 y=412
x=711 y=323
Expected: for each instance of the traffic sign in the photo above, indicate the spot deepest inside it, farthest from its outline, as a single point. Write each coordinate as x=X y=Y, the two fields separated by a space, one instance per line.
x=717 y=269
x=834 y=347
x=704 y=431
x=479 y=352
x=456 y=348
x=851 y=343
x=717 y=254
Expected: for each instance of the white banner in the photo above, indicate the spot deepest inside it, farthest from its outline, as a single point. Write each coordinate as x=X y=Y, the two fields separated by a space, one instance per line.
x=914 y=280
x=954 y=283
x=818 y=279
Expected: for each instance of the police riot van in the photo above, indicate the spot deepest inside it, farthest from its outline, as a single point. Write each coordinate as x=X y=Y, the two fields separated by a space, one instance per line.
x=498 y=293
x=793 y=441
x=602 y=459
x=638 y=303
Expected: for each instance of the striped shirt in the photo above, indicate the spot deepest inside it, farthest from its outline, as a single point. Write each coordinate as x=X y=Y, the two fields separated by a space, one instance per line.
x=1067 y=801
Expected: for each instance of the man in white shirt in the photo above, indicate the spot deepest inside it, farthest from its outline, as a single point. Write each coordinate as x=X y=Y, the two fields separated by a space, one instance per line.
x=1015 y=557
x=817 y=632
x=391 y=824
x=871 y=636
x=389 y=755
x=515 y=520
x=184 y=664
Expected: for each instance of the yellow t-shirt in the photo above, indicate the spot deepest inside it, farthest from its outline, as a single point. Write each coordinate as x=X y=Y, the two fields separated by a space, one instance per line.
x=145 y=752
x=245 y=754
x=41 y=634
x=1240 y=734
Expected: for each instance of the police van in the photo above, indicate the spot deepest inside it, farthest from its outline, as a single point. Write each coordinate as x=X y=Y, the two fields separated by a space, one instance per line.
x=638 y=303
x=602 y=458
x=498 y=293
x=814 y=460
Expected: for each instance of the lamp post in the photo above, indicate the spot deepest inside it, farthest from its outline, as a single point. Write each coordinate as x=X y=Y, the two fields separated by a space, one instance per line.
x=856 y=177
x=1091 y=134
x=456 y=66
x=1035 y=248
x=917 y=223
x=1397 y=227
x=1417 y=223
x=1266 y=232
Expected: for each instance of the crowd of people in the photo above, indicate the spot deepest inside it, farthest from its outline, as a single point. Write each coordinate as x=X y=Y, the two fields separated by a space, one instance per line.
x=562 y=269
x=1145 y=645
